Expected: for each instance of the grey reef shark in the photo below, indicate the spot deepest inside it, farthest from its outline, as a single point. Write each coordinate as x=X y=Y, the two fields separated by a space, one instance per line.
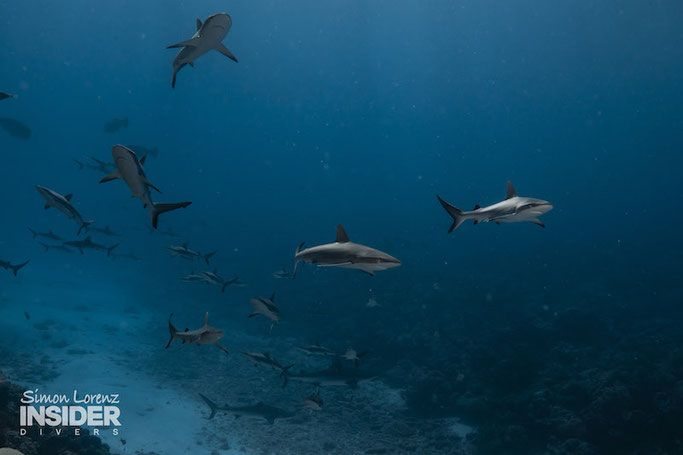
x=513 y=209
x=47 y=235
x=267 y=360
x=203 y=335
x=130 y=170
x=15 y=268
x=267 y=308
x=209 y=36
x=184 y=252
x=88 y=244
x=215 y=279
x=335 y=375
x=260 y=410
x=63 y=204
x=343 y=253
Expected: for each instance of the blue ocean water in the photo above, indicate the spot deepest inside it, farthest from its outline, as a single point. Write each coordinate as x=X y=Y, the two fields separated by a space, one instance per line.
x=493 y=339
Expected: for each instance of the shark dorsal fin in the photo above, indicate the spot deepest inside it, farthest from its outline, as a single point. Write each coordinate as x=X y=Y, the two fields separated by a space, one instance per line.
x=143 y=159
x=477 y=207
x=272 y=298
x=185 y=245
x=206 y=319
x=511 y=191
x=341 y=234
x=68 y=197
x=267 y=354
x=199 y=24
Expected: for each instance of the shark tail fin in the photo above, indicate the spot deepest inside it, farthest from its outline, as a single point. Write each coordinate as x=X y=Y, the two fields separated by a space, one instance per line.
x=84 y=225
x=211 y=405
x=46 y=246
x=228 y=283
x=157 y=209
x=456 y=213
x=111 y=248
x=34 y=233
x=296 y=261
x=208 y=256
x=16 y=268
x=172 y=330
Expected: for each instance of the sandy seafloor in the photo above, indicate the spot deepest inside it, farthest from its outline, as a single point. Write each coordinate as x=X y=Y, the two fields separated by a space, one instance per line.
x=97 y=340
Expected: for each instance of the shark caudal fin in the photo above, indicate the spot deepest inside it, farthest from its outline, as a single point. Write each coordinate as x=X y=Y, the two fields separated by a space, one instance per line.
x=34 y=233
x=111 y=248
x=228 y=283
x=84 y=225
x=172 y=330
x=211 y=405
x=208 y=256
x=16 y=268
x=157 y=209
x=46 y=246
x=453 y=211
x=296 y=261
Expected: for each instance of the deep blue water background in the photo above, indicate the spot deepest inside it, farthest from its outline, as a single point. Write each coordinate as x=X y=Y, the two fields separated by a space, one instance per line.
x=358 y=113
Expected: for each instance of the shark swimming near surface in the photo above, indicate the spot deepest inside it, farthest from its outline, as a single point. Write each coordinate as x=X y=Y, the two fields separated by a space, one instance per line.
x=15 y=268
x=513 y=209
x=203 y=335
x=343 y=253
x=209 y=36
x=267 y=308
x=260 y=409
x=88 y=244
x=130 y=170
x=63 y=204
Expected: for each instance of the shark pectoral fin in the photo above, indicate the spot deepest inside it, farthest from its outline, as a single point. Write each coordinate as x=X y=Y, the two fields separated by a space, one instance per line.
x=47 y=206
x=537 y=222
x=368 y=271
x=476 y=221
x=113 y=176
x=191 y=64
x=224 y=50
x=148 y=183
x=252 y=315
x=221 y=348
x=192 y=42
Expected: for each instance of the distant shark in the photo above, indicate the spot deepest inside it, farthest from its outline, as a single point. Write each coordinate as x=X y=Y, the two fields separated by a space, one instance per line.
x=267 y=308
x=209 y=36
x=335 y=375
x=267 y=360
x=264 y=411
x=105 y=231
x=55 y=247
x=129 y=168
x=203 y=335
x=48 y=235
x=88 y=244
x=283 y=274
x=316 y=349
x=63 y=204
x=343 y=253
x=217 y=280
x=513 y=209
x=15 y=268
x=184 y=252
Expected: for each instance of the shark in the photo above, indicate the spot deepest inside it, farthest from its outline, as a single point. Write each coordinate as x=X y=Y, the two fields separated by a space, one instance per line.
x=194 y=277
x=203 y=335
x=217 y=280
x=316 y=349
x=55 y=247
x=267 y=308
x=104 y=231
x=130 y=170
x=267 y=360
x=46 y=235
x=283 y=274
x=88 y=244
x=354 y=356
x=4 y=96
x=343 y=253
x=260 y=409
x=209 y=36
x=15 y=268
x=63 y=204
x=513 y=209
x=184 y=252
x=334 y=375
x=314 y=402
